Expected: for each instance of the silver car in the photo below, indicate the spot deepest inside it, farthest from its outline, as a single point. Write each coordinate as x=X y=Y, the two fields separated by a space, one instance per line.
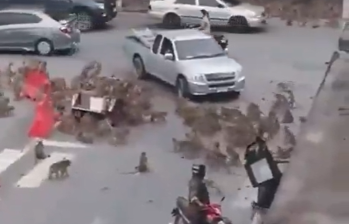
x=29 y=30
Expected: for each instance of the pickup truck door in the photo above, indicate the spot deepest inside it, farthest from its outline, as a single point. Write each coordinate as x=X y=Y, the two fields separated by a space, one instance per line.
x=167 y=67
x=219 y=15
x=153 y=61
x=188 y=10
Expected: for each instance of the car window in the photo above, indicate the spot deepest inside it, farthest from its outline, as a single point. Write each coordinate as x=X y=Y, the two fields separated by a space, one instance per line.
x=156 y=44
x=166 y=47
x=11 y=18
x=211 y=3
x=231 y=2
x=186 y=2
x=198 y=48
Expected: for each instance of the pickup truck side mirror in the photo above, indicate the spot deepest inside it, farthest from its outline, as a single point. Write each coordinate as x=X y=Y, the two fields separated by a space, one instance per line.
x=220 y=6
x=169 y=56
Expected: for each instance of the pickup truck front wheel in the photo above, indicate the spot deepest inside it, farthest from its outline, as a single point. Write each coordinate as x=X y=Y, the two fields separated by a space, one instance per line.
x=139 y=67
x=182 y=88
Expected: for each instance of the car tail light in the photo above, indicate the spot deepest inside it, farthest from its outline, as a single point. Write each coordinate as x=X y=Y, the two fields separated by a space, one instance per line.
x=66 y=30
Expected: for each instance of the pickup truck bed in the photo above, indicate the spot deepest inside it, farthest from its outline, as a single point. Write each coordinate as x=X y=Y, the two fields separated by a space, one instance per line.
x=136 y=40
x=140 y=43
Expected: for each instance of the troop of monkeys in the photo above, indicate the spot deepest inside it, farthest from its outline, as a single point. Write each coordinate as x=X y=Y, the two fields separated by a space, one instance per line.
x=238 y=129
x=302 y=12
x=132 y=106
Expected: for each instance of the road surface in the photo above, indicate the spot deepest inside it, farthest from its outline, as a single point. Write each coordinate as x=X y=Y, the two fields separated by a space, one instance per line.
x=96 y=192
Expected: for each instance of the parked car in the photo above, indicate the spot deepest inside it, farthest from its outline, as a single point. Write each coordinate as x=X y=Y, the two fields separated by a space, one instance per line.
x=230 y=13
x=187 y=59
x=30 y=30
x=90 y=13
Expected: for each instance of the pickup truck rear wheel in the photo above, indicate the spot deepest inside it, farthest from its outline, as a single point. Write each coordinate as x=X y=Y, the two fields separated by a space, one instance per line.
x=182 y=88
x=171 y=21
x=139 y=67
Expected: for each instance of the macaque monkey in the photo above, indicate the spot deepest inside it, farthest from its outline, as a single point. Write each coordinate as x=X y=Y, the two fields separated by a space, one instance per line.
x=59 y=169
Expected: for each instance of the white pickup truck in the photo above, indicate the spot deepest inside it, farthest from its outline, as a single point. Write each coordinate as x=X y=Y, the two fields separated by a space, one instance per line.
x=188 y=59
x=226 y=13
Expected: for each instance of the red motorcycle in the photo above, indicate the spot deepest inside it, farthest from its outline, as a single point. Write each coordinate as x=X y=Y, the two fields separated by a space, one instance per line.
x=213 y=212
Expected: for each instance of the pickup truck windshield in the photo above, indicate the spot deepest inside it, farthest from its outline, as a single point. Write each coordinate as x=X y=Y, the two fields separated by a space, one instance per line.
x=198 y=48
x=231 y=2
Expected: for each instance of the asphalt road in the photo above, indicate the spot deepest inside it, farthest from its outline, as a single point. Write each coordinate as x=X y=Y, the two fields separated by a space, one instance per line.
x=96 y=192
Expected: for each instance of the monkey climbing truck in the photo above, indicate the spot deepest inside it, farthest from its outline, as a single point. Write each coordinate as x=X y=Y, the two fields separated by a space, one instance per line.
x=187 y=59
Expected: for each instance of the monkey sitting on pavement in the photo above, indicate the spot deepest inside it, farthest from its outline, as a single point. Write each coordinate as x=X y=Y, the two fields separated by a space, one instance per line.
x=59 y=169
x=39 y=151
x=143 y=166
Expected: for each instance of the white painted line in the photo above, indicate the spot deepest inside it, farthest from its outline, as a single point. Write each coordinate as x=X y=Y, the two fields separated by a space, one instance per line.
x=8 y=157
x=245 y=195
x=62 y=144
x=40 y=172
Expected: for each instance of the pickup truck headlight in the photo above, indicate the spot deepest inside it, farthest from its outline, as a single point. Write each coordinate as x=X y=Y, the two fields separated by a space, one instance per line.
x=198 y=78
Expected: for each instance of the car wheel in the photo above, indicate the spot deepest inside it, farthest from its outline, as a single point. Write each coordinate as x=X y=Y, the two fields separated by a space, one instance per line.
x=238 y=23
x=182 y=88
x=84 y=21
x=171 y=21
x=44 y=47
x=139 y=67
